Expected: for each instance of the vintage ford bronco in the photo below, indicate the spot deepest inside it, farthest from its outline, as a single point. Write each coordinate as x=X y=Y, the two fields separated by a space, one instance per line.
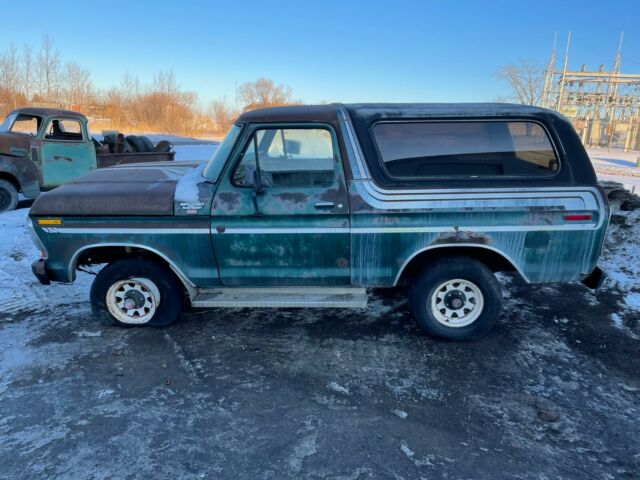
x=41 y=148
x=307 y=206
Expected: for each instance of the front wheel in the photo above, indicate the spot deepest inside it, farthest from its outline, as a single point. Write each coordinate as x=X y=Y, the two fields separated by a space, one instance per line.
x=137 y=293
x=8 y=196
x=457 y=298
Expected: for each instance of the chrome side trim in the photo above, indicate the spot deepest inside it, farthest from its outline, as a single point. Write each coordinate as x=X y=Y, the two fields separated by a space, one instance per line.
x=475 y=228
x=508 y=199
x=189 y=285
x=446 y=245
x=280 y=231
x=359 y=167
x=382 y=230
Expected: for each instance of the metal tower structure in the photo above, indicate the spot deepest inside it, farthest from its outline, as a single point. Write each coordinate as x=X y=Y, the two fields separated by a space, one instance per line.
x=604 y=106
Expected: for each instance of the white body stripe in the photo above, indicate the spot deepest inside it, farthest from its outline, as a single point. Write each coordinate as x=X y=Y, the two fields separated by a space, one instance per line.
x=101 y=230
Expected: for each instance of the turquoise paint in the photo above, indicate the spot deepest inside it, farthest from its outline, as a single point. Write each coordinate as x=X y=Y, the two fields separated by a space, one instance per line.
x=191 y=253
x=64 y=161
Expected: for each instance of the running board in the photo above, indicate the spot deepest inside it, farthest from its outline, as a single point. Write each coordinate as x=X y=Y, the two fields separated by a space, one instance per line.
x=281 y=297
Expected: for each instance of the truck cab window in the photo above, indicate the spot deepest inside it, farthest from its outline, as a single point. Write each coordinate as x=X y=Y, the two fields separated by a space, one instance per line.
x=64 y=130
x=297 y=157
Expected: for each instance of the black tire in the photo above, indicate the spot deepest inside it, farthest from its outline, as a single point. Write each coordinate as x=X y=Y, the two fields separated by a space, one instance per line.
x=163 y=146
x=136 y=143
x=8 y=196
x=147 y=275
x=431 y=286
x=148 y=144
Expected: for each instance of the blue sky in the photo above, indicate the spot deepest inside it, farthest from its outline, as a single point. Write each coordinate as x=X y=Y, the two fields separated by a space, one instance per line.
x=350 y=51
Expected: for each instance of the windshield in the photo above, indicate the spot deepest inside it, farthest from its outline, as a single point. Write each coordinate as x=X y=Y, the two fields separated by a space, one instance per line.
x=21 y=123
x=6 y=125
x=219 y=158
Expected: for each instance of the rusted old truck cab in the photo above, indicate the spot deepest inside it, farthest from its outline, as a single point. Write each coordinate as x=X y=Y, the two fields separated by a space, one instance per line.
x=307 y=206
x=42 y=148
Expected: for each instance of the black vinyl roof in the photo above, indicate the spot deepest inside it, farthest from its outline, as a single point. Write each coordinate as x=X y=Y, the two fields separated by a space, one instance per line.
x=374 y=111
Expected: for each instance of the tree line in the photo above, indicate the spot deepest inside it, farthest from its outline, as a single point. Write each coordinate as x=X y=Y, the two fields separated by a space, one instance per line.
x=41 y=77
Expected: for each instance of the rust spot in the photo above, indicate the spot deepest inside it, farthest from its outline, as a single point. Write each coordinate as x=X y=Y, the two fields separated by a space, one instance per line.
x=462 y=237
x=228 y=200
x=294 y=197
x=220 y=228
x=342 y=262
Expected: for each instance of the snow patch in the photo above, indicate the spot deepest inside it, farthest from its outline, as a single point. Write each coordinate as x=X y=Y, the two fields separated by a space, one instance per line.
x=338 y=388
x=632 y=300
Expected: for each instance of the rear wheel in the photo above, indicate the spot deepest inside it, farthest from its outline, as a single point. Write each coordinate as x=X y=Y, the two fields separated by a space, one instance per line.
x=457 y=298
x=8 y=196
x=137 y=293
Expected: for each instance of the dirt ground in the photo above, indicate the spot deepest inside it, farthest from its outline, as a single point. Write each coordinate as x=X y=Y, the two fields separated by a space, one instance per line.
x=552 y=393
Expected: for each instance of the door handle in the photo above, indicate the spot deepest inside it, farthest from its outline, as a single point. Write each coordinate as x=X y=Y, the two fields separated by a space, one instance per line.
x=324 y=205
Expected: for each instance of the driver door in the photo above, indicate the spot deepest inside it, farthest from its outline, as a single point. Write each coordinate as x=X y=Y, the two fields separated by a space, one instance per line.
x=280 y=216
x=66 y=151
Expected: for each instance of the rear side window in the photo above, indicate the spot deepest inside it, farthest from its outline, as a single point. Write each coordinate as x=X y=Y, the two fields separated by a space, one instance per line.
x=465 y=149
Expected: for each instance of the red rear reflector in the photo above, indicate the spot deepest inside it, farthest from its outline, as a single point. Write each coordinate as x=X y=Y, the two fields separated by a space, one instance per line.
x=578 y=217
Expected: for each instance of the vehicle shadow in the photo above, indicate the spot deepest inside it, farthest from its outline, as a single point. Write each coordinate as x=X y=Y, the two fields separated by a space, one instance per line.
x=25 y=203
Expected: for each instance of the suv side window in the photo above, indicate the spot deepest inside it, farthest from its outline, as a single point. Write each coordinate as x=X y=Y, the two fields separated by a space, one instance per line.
x=412 y=150
x=288 y=157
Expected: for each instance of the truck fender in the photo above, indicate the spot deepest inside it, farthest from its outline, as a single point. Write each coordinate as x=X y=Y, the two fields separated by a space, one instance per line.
x=22 y=172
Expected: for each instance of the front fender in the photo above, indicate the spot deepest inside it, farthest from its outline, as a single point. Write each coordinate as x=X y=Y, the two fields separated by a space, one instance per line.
x=24 y=171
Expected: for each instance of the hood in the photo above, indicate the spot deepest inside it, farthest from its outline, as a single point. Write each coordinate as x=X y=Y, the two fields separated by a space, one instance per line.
x=15 y=144
x=144 y=189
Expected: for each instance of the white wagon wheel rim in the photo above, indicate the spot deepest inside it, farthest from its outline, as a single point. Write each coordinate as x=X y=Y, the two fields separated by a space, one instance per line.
x=133 y=301
x=457 y=303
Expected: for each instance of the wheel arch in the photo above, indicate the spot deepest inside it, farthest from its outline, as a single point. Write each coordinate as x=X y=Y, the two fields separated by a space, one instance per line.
x=108 y=252
x=12 y=179
x=493 y=258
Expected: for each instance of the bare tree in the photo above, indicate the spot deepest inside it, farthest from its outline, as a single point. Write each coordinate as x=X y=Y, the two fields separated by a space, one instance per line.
x=223 y=115
x=77 y=84
x=264 y=93
x=10 y=74
x=526 y=79
x=48 y=67
x=27 y=71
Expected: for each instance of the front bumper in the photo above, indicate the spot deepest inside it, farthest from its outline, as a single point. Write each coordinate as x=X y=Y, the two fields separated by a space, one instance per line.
x=39 y=269
x=595 y=279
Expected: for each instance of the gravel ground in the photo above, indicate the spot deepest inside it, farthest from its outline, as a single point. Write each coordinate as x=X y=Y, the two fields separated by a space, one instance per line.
x=553 y=392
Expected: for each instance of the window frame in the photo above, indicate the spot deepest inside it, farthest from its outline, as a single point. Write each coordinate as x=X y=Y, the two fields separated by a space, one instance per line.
x=253 y=128
x=39 y=122
x=468 y=178
x=50 y=120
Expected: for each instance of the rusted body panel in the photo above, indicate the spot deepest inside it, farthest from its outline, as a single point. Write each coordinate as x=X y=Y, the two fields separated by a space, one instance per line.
x=126 y=190
x=23 y=172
